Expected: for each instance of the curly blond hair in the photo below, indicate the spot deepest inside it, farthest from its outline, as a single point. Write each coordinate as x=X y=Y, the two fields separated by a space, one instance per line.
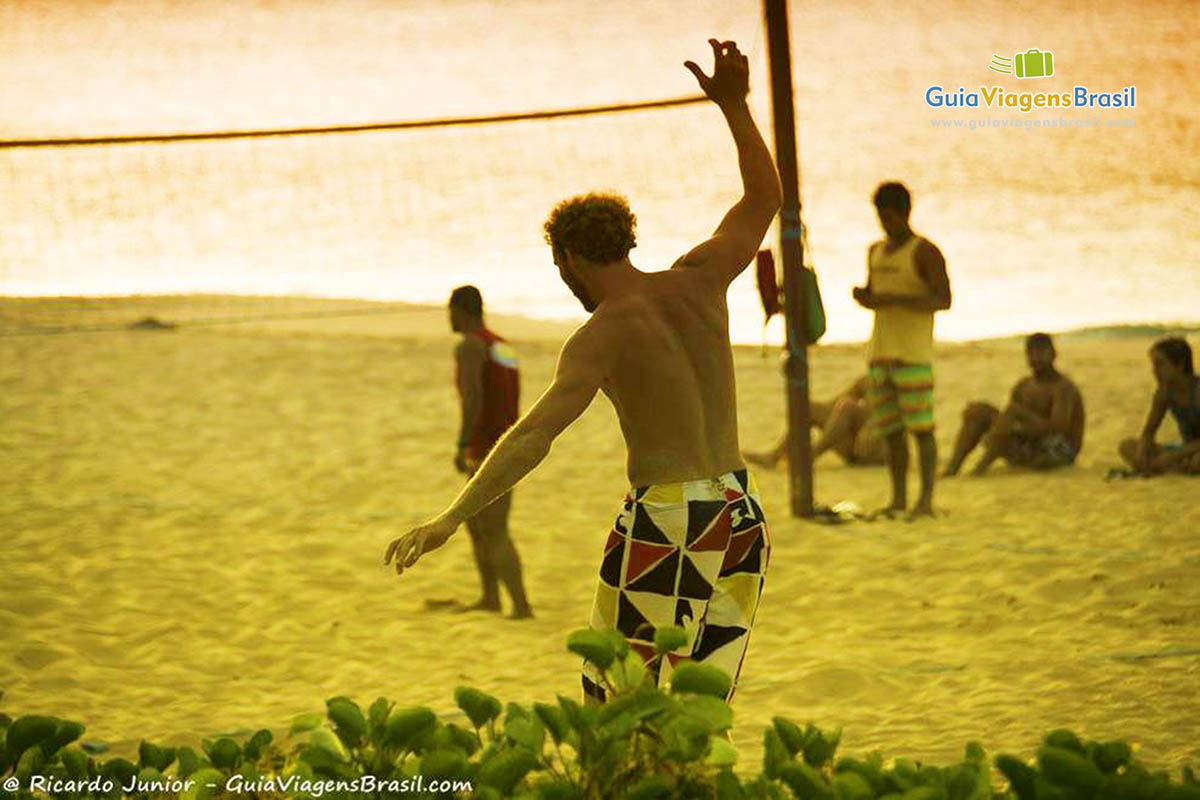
x=596 y=227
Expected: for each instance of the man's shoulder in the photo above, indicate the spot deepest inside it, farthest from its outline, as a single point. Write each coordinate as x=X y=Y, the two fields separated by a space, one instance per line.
x=469 y=346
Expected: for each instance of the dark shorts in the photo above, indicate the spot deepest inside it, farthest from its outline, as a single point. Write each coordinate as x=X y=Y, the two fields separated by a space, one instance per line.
x=1041 y=452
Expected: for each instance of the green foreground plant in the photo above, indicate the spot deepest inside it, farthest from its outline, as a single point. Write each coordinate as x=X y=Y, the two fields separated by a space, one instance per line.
x=643 y=744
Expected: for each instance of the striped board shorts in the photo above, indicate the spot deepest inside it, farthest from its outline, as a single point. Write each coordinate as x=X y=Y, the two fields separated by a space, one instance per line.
x=691 y=554
x=901 y=397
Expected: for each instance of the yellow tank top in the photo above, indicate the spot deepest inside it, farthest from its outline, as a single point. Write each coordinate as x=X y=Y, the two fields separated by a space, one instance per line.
x=900 y=334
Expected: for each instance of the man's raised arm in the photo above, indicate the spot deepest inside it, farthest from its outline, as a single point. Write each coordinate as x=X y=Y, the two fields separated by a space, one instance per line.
x=736 y=240
x=575 y=383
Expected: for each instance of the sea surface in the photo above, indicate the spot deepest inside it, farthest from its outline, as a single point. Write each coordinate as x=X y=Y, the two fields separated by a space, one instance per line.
x=1074 y=223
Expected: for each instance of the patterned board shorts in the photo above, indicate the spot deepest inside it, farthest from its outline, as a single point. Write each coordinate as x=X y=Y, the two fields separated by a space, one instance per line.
x=901 y=397
x=1040 y=452
x=691 y=554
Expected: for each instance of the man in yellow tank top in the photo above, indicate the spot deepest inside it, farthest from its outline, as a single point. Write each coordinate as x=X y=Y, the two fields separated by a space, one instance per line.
x=906 y=285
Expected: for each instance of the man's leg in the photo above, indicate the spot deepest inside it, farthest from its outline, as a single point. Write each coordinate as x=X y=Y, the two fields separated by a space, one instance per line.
x=842 y=424
x=818 y=415
x=927 y=452
x=1131 y=451
x=998 y=443
x=502 y=554
x=977 y=420
x=885 y=413
x=897 y=462
x=490 y=598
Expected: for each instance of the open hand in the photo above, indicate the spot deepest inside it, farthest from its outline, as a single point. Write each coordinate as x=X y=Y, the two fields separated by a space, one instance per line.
x=417 y=542
x=730 y=81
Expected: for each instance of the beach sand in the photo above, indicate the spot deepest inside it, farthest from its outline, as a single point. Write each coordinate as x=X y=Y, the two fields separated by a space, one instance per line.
x=194 y=524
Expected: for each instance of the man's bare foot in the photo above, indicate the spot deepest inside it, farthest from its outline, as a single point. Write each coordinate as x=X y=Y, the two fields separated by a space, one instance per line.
x=766 y=460
x=921 y=509
x=481 y=605
x=950 y=472
x=887 y=512
x=523 y=613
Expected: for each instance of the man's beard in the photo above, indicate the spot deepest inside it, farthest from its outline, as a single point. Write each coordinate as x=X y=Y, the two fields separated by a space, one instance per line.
x=581 y=294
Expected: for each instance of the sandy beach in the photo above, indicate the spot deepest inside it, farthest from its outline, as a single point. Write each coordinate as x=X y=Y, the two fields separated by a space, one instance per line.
x=194 y=524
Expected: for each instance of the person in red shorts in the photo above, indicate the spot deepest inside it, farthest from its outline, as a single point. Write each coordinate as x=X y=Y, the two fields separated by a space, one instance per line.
x=488 y=383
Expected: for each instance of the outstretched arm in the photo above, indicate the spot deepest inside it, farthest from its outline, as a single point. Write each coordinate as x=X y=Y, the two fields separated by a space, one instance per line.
x=576 y=381
x=735 y=241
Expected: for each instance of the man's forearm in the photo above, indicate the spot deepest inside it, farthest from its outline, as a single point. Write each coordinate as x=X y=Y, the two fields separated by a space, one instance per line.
x=915 y=303
x=471 y=411
x=760 y=181
x=514 y=457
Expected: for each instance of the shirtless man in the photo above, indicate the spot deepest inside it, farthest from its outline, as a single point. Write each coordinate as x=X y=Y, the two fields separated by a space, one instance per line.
x=1042 y=428
x=846 y=429
x=690 y=546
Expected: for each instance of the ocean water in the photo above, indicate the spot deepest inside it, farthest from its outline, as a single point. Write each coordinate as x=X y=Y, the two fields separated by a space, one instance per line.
x=1050 y=227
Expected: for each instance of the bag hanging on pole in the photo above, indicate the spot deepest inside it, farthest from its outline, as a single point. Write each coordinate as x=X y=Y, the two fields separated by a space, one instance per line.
x=770 y=294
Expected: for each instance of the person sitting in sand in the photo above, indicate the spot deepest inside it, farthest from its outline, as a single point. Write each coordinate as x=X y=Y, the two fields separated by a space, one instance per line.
x=1178 y=392
x=1042 y=428
x=846 y=429
x=690 y=546
x=488 y=381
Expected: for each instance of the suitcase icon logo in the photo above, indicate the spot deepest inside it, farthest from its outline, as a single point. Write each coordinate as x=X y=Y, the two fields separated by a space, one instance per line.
x=1034 y=63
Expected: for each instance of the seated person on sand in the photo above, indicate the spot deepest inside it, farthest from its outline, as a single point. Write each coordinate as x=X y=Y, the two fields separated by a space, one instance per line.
x=1042 y=428
x=1178 y=392
x=845 y=425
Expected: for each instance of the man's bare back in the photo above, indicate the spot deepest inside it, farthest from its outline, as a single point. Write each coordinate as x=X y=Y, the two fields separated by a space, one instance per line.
x=669 y=375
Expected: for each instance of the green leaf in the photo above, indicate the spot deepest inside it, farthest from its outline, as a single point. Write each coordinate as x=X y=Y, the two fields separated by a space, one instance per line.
x=75 y=760
x=593 y=646
x=693 y=678
x=789 y=732
x=775 y=754
x=225 y=754
x=377 y=716
x=406 y=727
x=254 y=748
x=712 y=711
x=1111 y=756
x=721 y=753
x=820 y=747
x=159 y=758
x=852 y=786
x=306 y=722
x=526 y=731
x=618 y=641
x=1068 y=768
x=65 y=733
x=119 y=770
x=30 y=762
x=805 y=782
x=480 y=708
x=207 y=783
x=189 y=762
x=505 y=770
x=554 y=720
x=651 y=787
x=28 y=731
x=1066 y=740
x=444 y=764
x=465 y=740
x=348 y=720
x=669 y=639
